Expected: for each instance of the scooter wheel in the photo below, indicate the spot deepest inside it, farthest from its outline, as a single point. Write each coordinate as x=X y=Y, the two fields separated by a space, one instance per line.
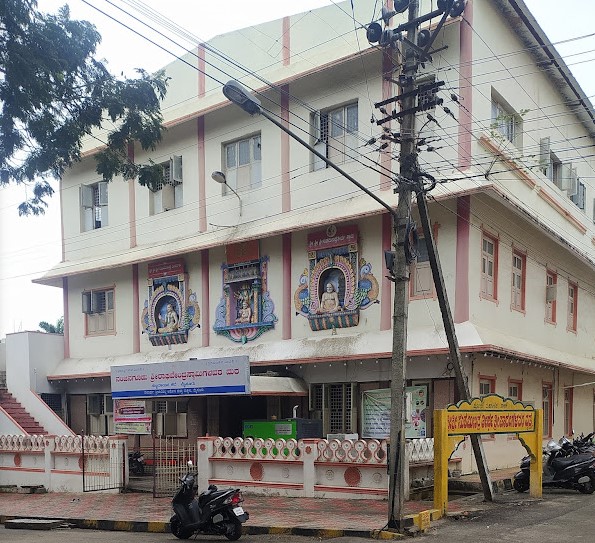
x=233 y=530
x=521 y=485
x=587 y=488
x=177 y=529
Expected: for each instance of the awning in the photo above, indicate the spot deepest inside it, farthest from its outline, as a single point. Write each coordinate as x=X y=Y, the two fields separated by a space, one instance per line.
x=264 y=385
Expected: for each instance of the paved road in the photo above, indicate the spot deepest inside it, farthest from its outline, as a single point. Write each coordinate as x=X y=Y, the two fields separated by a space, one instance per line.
x=97 y=536
x=560 y=516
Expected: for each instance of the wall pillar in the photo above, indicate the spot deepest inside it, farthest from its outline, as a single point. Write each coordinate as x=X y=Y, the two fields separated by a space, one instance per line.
x=309 y=451
x=205 y=448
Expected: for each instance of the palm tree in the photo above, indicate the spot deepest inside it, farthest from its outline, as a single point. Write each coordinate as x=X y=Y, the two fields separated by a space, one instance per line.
x=57 y=328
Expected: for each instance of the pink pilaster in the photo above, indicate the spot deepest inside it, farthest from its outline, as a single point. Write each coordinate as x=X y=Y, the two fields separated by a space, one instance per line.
x=462 y=259
x=285 y=183
x=131 y=201
x=201 y=71
x=135 y=310
x=66 y=317
x=202 y=190
x=466 y=87
x=286 y=41
x=287 y=298
x=204 y=314
x=386 y=285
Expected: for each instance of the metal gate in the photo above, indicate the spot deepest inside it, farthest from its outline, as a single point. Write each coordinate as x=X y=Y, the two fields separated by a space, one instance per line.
x=103 y=463
x=168 y=461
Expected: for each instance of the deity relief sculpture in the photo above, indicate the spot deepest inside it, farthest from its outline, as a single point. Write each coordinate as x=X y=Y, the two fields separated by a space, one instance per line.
x=246 y=310
x=171 y=310
x=337 y=284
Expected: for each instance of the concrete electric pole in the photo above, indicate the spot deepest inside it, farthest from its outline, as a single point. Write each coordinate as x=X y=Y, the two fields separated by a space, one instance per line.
x=415 y=47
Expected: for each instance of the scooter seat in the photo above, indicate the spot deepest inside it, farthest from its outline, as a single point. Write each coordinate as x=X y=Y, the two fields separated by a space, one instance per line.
x=564 y=462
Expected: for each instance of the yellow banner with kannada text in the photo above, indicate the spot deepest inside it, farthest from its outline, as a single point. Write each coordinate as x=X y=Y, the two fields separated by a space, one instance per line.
x=490 y=422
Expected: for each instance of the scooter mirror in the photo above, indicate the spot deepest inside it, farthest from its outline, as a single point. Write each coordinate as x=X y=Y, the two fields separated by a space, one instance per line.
x=189 y=463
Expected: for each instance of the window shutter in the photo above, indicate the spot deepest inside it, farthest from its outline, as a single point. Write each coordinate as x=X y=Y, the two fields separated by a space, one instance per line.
x=167 y=197
x=353 y=409
x=565 y=176
x=86 y=196
x=544 y=153
x=176 y=168
x=104 y=215
x=321 y=137
x=102 y=188
x=573 y=188
x=86 y=301
x=98 y=301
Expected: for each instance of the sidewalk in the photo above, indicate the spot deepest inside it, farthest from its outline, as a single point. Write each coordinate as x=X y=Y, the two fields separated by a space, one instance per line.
x=140 y=512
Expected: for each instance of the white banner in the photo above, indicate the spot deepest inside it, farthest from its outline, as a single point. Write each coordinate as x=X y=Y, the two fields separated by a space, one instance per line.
x=130 y=417
x=214 y=376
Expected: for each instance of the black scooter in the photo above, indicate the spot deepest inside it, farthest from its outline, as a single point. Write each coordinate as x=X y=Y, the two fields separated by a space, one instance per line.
x=215 y=512
x=136 y=463
x=575 y=471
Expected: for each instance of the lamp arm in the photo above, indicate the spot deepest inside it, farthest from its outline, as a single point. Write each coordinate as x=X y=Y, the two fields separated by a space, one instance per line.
x=233 y=190
x=328 y=162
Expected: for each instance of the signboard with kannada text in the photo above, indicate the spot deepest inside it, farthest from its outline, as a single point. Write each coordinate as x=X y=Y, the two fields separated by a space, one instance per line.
x=213 y=376
x=131 y=417
x=491 y=414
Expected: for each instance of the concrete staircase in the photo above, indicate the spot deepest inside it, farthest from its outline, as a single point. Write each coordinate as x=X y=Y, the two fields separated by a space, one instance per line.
x=19 y=414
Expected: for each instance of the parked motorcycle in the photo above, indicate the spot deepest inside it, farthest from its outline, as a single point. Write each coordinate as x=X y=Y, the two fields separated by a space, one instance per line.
x=563 y=467
x=214 y=512
x=584 y=444
x=136 y=463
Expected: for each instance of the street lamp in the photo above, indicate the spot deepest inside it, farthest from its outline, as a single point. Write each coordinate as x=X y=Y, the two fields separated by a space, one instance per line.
x=240 y=96
x=222 y=180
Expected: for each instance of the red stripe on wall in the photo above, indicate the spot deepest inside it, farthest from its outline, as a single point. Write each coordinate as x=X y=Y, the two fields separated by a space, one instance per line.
x=287 y=298
x=466 y=86
x=386 y=286
x=204 y=317
x=462 y=259
x=202 y=192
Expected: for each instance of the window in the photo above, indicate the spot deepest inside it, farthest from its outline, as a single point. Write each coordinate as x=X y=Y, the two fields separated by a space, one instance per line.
x=506 y=123
x=93 y=206
x=169 y=193
x=515 y=389
x=487 y=385
x=568 y=397
x=489 y=267
x=335 y=405
x=243 y=163
x=100 y=414
x=335 y=135
x=170 y=417
x=547 y=406
x=98 y=307
x=519 y=264
x=421 y=281
x=572 y=306
x=551 y=289
x=562 y=174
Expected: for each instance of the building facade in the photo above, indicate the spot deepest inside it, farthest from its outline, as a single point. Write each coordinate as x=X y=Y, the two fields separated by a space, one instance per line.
x=285 y=262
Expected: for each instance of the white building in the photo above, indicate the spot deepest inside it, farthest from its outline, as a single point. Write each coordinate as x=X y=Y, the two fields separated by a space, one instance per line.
x=512 y=215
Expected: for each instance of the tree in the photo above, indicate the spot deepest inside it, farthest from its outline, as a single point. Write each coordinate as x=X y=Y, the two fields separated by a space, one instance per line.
x=53 y=92
x=57 y=328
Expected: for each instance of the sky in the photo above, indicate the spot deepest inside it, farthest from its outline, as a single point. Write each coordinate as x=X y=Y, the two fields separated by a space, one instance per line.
x=31 y=245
